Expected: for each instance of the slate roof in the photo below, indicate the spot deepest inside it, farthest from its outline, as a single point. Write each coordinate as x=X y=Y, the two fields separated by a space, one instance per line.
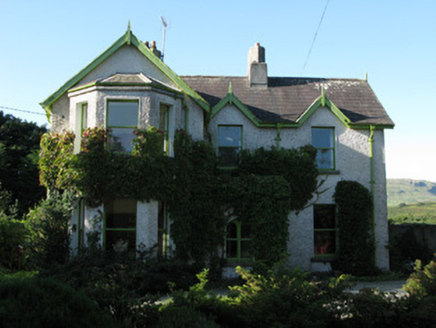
x=286 y=98
x=125 y=79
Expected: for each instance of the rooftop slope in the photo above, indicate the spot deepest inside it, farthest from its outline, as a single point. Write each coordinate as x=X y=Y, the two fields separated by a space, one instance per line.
x=286 y=99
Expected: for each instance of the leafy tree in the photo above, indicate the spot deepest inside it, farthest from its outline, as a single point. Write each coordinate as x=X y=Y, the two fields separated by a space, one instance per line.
x=19 y=147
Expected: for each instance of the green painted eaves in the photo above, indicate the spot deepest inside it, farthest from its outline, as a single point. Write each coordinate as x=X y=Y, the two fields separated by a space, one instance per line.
x=130 y=39
x=321 y=101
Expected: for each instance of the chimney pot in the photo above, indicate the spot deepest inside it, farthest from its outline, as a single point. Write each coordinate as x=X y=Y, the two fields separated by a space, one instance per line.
x=156 y=52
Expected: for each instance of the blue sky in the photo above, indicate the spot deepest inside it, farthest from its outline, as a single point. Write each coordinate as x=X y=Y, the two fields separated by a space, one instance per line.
x=44 y=43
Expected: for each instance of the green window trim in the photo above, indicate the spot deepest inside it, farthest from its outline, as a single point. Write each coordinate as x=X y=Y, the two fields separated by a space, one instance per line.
x=84 y=118
x=121 y=127
x=162 y=230
x=325 y=149
x=325 y=233
x=222 y=148
x=238 y=240
x=81 y=123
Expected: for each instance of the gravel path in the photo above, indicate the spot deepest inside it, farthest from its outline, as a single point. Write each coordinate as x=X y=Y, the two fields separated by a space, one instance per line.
x=395 y=286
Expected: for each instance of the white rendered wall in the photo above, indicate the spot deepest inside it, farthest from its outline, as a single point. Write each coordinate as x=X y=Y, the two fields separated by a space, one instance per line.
x=380 y=202
x=195 y=120
x=352 y=163
x=146 y=223
x=60 y=117
x=127 y=59
x=93 y=224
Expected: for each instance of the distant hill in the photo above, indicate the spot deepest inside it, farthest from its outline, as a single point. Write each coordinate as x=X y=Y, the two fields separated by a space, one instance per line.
x=410 y=191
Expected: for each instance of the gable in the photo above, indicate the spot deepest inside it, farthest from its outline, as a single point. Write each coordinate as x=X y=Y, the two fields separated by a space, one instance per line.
x=127 y=60
x=136 y=49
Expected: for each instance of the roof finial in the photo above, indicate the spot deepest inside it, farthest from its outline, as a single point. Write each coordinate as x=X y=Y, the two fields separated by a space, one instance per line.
x=323 y=96
x=230 y=87
x=366 y=76
x=128 y=25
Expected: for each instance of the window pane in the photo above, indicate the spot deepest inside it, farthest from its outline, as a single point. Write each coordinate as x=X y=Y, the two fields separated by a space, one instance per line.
x=229 y=156
x=84 y=118
x=163 y=118
x=245 y=249
x=325 y=242
x=120 y=139
x=232 y=230
x=120 y=240
x=121 y=214
x=122 y=113
x=230 y=136
x=324 y=158
x=231 y=250
x=322 y=138
x=245 y=230
x=324 y=216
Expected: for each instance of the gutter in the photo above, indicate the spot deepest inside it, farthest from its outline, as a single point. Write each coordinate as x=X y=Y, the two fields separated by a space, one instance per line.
x=372 y=182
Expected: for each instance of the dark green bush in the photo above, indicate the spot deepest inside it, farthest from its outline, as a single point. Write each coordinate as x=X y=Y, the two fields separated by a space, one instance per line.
x=44 y=303
x=356 y=251
x=49 y=222
x=13 y=241
x=115 y=271
x=184 y=317
x=286 y=298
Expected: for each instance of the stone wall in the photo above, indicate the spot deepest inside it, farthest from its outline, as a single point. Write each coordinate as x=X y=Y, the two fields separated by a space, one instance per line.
x=425 y=234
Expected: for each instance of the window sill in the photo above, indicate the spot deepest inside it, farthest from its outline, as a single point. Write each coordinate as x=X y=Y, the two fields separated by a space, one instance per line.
x=329 y=172
x=322 y=259
x=242 y=263
x=227 y=168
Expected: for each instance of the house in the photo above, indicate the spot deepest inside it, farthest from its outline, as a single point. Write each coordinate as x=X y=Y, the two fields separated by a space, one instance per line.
x=128 y=86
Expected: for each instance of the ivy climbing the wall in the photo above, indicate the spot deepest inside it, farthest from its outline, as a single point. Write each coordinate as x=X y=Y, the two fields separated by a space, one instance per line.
x=196 y=209
x=200 y=198
x=356 y=248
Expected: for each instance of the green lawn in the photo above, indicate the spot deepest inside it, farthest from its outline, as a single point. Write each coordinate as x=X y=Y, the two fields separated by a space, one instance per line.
x=413 y=213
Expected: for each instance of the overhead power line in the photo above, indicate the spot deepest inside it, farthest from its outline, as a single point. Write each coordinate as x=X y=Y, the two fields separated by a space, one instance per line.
x=314 y=37
x=21 y=110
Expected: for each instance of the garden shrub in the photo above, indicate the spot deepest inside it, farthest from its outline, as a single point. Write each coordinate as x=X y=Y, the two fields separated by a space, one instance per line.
x=36 y=302
x=184 y=317
x=286 y=298
x=49 y=223
x=423 y=281
x=13 y=242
